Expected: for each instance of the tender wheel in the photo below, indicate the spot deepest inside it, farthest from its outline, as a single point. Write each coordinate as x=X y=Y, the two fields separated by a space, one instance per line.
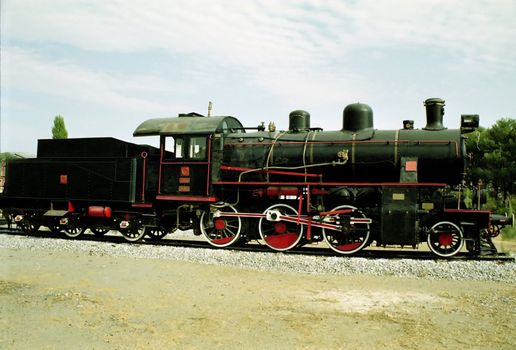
x=55 y=229
x=280 y=235
x=99 y=232
x=351 y=238
x=29 y=228
x=135 y=232
x=221 y=230
x=73 y=231
x=155 y=233
x=445 y=239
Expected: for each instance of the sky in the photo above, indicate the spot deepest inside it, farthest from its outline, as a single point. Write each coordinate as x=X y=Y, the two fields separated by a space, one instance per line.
x=106 y=66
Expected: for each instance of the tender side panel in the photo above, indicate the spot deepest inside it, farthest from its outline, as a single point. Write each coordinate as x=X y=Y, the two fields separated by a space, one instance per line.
x=98 y=180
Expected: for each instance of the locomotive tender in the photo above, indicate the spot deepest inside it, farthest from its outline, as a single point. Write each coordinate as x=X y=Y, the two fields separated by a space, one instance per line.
x=350 y=187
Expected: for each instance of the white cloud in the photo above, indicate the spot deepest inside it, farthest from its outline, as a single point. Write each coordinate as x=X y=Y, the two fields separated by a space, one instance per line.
x=298 y=51
x=26 y=70
x=483 y=29
x=282 y=45
x=264 y=31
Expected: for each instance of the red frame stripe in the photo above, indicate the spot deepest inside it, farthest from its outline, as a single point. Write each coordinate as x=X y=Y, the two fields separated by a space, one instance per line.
x=187 y=198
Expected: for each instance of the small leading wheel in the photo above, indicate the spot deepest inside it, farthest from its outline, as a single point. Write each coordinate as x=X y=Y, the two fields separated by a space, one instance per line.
x=445 y=239
x=135 y=231
x=349 y=238
x=73 y=231
x=220 y=228
x=280 y=234
x=99 y=232
x=155 y=233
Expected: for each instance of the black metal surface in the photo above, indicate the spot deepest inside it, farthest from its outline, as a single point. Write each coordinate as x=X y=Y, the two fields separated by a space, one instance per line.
x=399 y=206
x=96 y=170
x=102 y=179
x=372 y=155
x=98 y=147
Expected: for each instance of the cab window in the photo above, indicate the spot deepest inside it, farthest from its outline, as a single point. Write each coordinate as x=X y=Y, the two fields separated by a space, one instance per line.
x=197 y=148
x=185 y=147
x=173 y=147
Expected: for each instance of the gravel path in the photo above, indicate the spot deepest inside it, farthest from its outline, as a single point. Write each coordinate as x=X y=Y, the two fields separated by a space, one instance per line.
x=71 y=294
x=278 y=262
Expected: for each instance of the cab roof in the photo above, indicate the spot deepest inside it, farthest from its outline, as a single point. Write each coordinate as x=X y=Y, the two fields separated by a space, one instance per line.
x=191 y=123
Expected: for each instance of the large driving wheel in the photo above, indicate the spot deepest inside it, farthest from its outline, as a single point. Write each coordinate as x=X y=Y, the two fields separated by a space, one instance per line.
x=280 y=234
x=445 y=239
x=349 y=238
x=219 y=227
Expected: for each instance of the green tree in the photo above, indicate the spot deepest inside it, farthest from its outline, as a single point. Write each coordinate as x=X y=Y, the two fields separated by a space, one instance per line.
x=477 y=144
x=7 y=156
x=492 y=155
x=59 y=128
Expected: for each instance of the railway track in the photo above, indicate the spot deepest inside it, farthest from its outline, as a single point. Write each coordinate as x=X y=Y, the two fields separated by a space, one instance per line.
x=254 y=246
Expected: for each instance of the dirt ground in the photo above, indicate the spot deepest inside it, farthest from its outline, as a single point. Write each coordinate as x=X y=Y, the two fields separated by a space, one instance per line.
x=56 y=300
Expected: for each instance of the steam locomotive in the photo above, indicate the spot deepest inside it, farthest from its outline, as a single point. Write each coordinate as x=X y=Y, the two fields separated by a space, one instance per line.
x=233 y=184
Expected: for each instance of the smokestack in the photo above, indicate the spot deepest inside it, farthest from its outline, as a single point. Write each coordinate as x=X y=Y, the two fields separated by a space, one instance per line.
x=434 y=114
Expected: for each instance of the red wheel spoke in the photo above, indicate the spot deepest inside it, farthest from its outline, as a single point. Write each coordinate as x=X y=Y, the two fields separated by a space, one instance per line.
x=279 y=229
x=221 y=230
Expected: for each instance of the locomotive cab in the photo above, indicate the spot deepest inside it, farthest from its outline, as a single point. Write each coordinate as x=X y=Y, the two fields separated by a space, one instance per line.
x=190 y=145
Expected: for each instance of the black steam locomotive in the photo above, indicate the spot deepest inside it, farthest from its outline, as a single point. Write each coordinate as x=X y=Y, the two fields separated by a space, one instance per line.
x=233 y=184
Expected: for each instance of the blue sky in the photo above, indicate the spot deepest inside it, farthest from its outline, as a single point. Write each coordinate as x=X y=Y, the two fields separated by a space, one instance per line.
x=108 y=65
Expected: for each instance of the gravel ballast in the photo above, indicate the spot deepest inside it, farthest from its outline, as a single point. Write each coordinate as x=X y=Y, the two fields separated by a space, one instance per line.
x=279 y=262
